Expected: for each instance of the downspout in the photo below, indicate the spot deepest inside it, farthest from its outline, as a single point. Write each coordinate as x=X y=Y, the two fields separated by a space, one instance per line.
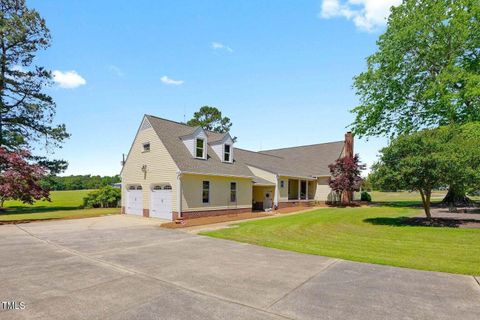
x=179 y=194
x=277 y=193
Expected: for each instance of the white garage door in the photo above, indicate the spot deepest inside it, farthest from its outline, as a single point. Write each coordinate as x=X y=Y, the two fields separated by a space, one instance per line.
x=134 y=200
x=161 y=202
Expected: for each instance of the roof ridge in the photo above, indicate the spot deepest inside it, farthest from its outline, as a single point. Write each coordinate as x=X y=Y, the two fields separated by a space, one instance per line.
x=259 y=152
x=181 y=123
x=303 y=146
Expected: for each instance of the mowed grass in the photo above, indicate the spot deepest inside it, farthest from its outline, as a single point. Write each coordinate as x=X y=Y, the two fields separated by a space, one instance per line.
x=60 y=199
x=404 y=196
x=63 y=205
x=62 y=214
x=408 y=198
x=366 y=234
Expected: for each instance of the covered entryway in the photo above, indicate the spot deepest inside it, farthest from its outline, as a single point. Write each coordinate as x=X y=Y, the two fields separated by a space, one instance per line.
x=161 y=202
x=134 y=200
x=263 y=197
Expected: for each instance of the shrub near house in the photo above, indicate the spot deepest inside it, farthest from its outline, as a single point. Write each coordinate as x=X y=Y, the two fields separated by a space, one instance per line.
x=106 y=197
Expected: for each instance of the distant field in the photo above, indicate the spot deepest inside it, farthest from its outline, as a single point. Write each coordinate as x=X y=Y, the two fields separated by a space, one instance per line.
x=408 y=197
x=71 y=199
x=404 y=196
x=64 y=204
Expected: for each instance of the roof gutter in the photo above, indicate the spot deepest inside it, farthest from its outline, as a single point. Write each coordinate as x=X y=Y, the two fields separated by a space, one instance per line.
x=217 y=175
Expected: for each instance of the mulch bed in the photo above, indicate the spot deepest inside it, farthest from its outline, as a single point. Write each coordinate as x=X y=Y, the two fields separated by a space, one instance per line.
x=443 y=217
x=443 y=222
x=214 y=219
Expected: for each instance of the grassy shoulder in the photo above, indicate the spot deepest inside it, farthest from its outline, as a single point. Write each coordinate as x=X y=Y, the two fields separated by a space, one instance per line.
x=58 y=214
x=367 y=234
x=63 y=205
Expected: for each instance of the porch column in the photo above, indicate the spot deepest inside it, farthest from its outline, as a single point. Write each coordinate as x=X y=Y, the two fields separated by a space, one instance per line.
x=306 y=184
x=277 y=192
x=299 y=188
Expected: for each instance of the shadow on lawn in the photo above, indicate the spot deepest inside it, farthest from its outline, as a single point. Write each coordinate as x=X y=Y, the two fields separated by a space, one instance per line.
x=40 y=209
x=423 y=222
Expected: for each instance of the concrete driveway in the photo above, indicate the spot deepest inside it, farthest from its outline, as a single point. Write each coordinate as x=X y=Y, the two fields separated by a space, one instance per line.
x=121 y=267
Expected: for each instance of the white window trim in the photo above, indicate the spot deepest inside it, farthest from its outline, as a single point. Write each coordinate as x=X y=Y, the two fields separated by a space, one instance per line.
x=230 y=154
x=209 y=192
x=230 y=192
x=204 y=152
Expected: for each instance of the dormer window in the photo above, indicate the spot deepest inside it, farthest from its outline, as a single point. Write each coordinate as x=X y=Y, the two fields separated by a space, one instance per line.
x=200 y=148
x=227 y=153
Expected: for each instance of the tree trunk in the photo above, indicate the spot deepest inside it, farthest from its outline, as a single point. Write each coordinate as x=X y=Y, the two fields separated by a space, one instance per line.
x=426 y=196
x=456 y=197
x=346 y=198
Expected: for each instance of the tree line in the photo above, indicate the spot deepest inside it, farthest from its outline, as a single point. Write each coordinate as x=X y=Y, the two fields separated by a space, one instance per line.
x=78 y=182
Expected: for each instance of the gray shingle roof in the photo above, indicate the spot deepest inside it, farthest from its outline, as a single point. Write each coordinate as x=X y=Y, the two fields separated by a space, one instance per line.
x=312 y=159
x=303 y=161
x=170 y=132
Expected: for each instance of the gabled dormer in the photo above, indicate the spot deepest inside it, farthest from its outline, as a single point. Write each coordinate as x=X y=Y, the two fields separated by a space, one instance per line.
x=196 y=143
x=223 y=148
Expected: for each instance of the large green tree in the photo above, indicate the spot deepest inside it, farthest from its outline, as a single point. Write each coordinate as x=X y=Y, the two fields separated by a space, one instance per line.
x=425 y=73
x=26 y=112
x=210 y=118
x=429 y=159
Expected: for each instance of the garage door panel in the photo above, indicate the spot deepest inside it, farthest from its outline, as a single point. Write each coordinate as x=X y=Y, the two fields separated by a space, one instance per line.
x=161 y=204
x=134 y=202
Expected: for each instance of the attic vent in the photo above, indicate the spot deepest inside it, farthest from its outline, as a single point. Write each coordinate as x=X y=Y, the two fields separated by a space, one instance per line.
x=145 y=125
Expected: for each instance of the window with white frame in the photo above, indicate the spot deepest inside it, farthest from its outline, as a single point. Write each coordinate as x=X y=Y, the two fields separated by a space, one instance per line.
x=206 y=192
x=227 y=153
x=200 y=148
x=233 y=192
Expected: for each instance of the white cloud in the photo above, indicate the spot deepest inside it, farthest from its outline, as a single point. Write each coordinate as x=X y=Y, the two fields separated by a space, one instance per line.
x=367 y=15
x=221 y=46
x=170 y=81
x=68 y=79
x=116 y=71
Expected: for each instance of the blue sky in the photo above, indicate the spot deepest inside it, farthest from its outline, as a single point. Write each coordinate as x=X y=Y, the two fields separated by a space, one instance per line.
x=281 y=70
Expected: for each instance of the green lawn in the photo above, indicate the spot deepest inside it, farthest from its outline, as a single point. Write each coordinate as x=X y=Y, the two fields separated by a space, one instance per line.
x=407 y=198
x=64 y=204
x=367 y=234
x=404 y=196
x=59 y=214
x=60 y=199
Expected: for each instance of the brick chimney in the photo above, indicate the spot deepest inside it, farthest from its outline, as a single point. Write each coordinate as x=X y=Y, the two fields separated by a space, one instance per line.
x=349 y=144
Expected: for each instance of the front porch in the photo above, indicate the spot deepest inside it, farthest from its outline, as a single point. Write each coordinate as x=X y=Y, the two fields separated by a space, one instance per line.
x=299 y=190
x=286 y=192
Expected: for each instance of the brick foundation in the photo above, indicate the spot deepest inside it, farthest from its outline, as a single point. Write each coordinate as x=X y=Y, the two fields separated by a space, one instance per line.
x=146 y=213
x=295 y=204
x=210 y=213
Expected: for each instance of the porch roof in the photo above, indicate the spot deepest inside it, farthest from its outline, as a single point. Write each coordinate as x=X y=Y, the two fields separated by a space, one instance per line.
x=257 y=181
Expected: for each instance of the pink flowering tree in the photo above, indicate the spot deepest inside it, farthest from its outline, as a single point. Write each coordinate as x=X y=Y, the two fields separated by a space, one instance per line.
x=19 y=179
x=345 y=177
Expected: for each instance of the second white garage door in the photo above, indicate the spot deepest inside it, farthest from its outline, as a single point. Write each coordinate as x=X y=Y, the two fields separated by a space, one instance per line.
x=161 y=202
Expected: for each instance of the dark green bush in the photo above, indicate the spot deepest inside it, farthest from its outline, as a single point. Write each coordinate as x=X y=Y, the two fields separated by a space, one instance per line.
x=106 y=197
x=365 y=196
